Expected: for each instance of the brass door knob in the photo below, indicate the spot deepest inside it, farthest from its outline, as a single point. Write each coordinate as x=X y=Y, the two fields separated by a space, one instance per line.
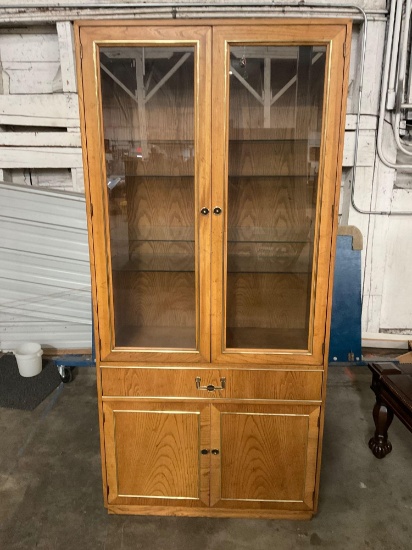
x=215 y=451
x=204 y=211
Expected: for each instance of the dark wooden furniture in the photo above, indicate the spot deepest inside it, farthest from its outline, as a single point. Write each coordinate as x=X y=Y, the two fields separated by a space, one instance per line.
x=392 y=384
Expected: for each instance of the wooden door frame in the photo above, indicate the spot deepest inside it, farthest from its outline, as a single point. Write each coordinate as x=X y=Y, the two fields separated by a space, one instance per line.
x=311 y=412
x=89 y=37
x=111 y=407
x=335 y=35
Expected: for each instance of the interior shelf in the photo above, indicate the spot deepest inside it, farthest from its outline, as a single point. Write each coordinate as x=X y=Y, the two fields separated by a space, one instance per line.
x=285 y=235
x=306 y=179
x=169 y=158
x=266 y=158
x=266 y=338
x=278 y=140
x=163 y=233
x=258 y=257
x=272 y=134
x=179 y=256
x=152 y=337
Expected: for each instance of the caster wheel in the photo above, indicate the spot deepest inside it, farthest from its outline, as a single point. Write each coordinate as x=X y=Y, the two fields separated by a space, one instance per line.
x=65 y=374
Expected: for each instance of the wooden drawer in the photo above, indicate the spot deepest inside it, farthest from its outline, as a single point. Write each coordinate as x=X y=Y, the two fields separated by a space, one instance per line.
x=271 y=385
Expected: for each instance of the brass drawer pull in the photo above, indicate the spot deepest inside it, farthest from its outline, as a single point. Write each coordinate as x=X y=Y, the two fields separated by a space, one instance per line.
x=210 y=387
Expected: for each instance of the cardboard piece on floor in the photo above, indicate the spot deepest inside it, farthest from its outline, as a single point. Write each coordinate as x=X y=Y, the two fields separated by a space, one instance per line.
x=405 y=357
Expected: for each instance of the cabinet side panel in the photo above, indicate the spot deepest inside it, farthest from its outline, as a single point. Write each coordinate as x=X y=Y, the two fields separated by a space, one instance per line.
x=342 y=70
x=78 y=44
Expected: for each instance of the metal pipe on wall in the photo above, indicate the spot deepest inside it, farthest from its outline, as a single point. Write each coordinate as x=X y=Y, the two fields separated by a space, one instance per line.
x=384 y=87
x=391 y=95
x=400 y=89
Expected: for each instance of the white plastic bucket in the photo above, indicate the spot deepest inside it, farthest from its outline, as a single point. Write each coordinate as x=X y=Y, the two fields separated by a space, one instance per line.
x=28 y=357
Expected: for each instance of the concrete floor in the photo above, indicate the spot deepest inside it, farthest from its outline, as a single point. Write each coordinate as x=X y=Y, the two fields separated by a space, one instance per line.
x=51 y=498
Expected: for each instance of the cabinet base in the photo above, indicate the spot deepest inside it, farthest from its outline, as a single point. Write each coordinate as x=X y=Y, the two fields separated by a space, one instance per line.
x=207 y=512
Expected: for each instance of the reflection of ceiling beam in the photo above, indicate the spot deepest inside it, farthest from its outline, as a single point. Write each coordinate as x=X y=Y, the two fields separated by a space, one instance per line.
x=140 y=96
x=266 y=98
x=118 y=82
x=141 y=101
x=157 y=87
x=246 y=84
x=270 y=52
x=292 y=81
x=167 y=76
x=267 y=92
x=125 y=52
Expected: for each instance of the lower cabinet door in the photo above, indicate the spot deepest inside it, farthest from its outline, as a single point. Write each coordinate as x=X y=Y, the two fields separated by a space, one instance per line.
x=153 y=453
x=263 y=456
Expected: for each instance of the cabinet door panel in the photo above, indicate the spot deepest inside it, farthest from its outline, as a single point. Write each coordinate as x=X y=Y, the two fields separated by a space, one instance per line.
x=147 y=142
x=267 y=456
x=153 y=453
x=276 y=144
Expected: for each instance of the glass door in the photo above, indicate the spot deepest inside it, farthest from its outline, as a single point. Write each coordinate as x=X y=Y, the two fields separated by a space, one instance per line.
x=276 y=139
x=153 y=182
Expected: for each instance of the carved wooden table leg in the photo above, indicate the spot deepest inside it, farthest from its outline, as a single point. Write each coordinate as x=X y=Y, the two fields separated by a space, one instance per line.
x=383 y=416
x=392 y=385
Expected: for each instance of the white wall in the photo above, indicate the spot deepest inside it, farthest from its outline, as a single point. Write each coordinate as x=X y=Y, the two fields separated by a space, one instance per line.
x=38 y=87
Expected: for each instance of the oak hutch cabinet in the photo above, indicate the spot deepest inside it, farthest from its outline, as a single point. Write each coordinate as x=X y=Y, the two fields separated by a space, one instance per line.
x=212 y=153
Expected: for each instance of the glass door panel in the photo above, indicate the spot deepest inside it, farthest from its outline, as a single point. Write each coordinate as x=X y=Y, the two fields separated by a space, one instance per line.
x=275 y=125
x=148 y=109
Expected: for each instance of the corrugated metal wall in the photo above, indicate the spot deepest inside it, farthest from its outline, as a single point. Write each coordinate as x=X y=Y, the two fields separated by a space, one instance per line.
x=45 y=291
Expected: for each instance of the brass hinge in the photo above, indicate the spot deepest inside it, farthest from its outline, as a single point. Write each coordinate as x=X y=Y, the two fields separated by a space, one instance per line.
x=319 y=421
x=91 y=210
x=344 y=49
x=323 y=348
x=333 y=212
x=81 y=51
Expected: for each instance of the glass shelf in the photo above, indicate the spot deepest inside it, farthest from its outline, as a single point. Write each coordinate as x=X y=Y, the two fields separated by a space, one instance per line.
x=159 y=233
x=152 y=337
x=269 y=235
x=266 y=338
x=163 y=176
x=273 y=177
x=312 y=142
x=269 y=257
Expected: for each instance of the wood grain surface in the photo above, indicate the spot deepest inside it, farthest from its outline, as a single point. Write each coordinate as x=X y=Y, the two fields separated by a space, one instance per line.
x=259 y=464
x=164 y=203
x=268 y=158
x=157 y=299
x=271 y=209
x=288 y=385
x=267 y=300
x=153 y=452
x=276 y=187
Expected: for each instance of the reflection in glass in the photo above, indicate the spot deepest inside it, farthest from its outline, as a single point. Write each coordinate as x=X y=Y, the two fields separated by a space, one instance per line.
x=148 y=122
x=275 y=124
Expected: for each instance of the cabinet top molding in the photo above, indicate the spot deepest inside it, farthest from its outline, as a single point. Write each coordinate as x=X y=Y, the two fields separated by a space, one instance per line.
x=267 y=21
